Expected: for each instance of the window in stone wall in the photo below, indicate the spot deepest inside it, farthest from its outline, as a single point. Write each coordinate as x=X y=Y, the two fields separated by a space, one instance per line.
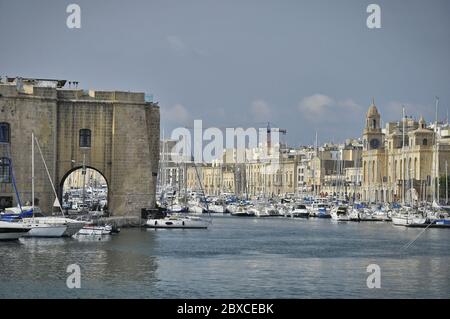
x=5 y=135
x=85 y=137
x=5 y=170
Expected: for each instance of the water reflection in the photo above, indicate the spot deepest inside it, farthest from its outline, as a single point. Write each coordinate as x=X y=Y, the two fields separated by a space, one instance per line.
x=235 y=258
x=109 y=267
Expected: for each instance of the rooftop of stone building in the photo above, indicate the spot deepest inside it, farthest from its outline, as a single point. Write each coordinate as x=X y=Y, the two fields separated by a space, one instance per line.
x=66 y=90
x=53 y=83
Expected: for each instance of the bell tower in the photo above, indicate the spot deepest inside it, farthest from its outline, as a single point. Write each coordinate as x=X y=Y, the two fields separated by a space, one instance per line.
x=372 y=135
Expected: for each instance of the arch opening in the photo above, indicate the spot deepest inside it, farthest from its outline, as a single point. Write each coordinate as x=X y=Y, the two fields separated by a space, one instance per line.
x=84 y=193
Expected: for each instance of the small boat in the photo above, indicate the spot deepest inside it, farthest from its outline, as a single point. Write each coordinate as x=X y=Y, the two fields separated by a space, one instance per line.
x=319 y=209
x=95 y=230
x=176 y=221
x=265 y=211
x=216 y=207
x=340 y=213
x=244 y=211
x=408 y=216
x=12 y=231
x=300 y=211
x=354 y=214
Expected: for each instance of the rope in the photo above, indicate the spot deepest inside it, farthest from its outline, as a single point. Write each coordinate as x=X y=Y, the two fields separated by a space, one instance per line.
x=417 y=237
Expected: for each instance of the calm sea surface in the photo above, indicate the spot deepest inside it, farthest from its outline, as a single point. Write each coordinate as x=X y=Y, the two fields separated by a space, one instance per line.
x=234 y=258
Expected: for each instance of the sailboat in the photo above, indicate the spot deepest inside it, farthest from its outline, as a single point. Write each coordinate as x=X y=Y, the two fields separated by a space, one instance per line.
x=178 y=220
x=46 y=226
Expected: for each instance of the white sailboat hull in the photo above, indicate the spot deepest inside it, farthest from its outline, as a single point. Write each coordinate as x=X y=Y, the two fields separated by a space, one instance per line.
x=408 y=220
x=45 y=230
x=52 y=226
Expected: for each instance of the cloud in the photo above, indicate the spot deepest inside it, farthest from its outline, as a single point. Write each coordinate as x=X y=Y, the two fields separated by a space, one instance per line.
x=177 y=114
x=180 y=47
x=260 y=110
x=315 y=105
x=176 y=44
x=322 y=108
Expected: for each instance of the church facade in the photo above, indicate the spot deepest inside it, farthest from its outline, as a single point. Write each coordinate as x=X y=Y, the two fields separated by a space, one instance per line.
x=403 y=161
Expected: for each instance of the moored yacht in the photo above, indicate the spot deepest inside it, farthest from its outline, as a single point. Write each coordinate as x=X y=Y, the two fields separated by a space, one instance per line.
x=266 y=211
x=12 y=231
x=40 y=225
x=244 y=211
x=172 y=222
x=300 y=211
x=340 y=213
x=319 y=209
x=408 y=217
x=95 y=230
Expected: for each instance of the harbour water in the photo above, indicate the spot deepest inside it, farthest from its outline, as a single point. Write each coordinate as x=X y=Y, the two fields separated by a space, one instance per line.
x=234 y=258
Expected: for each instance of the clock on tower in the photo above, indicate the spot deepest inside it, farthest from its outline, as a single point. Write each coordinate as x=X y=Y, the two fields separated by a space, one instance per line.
x=374 y=143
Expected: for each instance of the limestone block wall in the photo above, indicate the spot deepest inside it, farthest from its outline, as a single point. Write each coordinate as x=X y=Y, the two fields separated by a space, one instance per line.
x=124 y=142
x=27 y=113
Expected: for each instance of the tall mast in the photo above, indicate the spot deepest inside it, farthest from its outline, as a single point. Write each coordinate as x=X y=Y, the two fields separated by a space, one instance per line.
x=403 y=155
x=32 y=172
x=185 y=172
x=436 y=157
x=446 y=183
x=83 y=172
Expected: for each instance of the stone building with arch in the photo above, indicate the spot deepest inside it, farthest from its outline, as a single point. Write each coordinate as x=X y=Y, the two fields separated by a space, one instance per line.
x=113 y=132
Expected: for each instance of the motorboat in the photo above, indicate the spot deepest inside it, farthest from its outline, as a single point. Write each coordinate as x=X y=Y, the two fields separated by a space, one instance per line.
x=340 y=213
x=12 y=231
x=216 y=207
x=300 y=211
x=244 y=211
x=319 y=209
x=177 y=221
x=95 y=230
x=267 y=211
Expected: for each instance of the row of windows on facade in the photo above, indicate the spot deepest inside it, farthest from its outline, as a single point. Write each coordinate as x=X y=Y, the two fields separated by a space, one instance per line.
x=5 y=135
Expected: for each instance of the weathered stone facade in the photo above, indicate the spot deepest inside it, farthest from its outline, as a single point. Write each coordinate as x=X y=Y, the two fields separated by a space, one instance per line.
x=403 y=162
x=124 y=131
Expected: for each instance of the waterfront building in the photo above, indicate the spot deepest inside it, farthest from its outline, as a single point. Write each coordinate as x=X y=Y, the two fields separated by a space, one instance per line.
x=113 y=132
x=404 y=161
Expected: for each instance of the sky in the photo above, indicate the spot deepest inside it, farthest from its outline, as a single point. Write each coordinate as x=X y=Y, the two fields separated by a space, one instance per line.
x=304 y=66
